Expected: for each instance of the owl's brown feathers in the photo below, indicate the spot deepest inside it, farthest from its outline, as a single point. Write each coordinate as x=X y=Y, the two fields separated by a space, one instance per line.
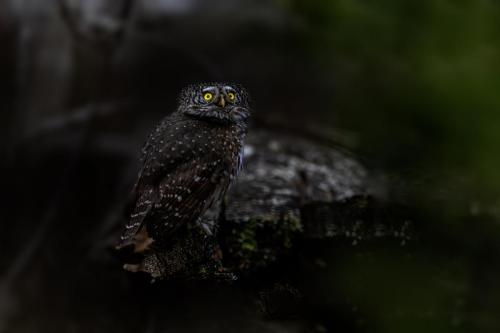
x=189 y=162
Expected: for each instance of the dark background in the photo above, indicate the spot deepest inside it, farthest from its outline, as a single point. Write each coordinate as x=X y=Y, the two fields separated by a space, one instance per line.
x=411 y=87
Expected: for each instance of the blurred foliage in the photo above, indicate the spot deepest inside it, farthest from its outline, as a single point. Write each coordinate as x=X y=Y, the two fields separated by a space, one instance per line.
x=419 y=79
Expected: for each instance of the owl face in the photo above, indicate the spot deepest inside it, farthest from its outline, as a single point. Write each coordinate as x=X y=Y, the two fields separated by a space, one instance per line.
x=216 y=102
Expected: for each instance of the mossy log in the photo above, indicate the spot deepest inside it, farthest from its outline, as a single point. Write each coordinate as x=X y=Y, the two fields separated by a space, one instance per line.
x=290 y=191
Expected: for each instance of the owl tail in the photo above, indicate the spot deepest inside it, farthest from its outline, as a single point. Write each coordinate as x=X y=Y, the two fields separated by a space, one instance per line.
x=146 y=198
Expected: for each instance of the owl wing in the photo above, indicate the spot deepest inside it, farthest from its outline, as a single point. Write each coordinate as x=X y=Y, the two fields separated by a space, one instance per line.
x=144 y=201
x=180 y=197
x=185 y=195
x=157 y=164
x=172 y=179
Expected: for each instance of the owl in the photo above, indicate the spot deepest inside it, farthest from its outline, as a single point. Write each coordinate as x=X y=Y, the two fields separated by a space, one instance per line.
x=188 y=163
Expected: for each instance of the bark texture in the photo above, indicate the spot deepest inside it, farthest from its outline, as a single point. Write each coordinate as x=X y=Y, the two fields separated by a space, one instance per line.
x=291 y=191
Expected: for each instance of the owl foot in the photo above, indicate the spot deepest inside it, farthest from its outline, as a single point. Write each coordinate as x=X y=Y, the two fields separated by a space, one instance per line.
x=143 y=246
x=207 y=226
x=134 y=268
x=142 y=241
x=150 y=265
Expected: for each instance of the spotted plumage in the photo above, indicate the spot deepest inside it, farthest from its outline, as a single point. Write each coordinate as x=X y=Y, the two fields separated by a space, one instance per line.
x=188 y=162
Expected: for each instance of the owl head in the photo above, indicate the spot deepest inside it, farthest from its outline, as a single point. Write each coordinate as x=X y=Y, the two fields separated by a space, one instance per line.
x=216 y=102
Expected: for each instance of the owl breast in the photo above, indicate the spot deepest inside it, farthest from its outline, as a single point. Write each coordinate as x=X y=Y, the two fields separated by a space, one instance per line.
x=230 y=140
x=188 y=163
x=207 y=161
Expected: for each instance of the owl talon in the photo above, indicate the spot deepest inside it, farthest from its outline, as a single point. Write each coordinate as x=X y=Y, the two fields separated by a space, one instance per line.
x=134 y=268
x=143 y=246
x=206 y=227
x=142 y=241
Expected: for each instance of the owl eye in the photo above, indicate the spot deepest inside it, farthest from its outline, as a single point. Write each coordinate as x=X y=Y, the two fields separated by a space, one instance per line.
x=231 y=96
x=208 y=97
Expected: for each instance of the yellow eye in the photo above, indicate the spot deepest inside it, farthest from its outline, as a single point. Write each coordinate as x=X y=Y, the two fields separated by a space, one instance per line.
x=231 y=96
x=208 y=97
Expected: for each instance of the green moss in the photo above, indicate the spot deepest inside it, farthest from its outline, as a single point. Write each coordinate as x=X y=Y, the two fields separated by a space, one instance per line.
x=258 y=242
x=247 y=238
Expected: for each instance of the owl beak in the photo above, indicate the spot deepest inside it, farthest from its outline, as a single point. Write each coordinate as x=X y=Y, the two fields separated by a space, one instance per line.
x=222 y=102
